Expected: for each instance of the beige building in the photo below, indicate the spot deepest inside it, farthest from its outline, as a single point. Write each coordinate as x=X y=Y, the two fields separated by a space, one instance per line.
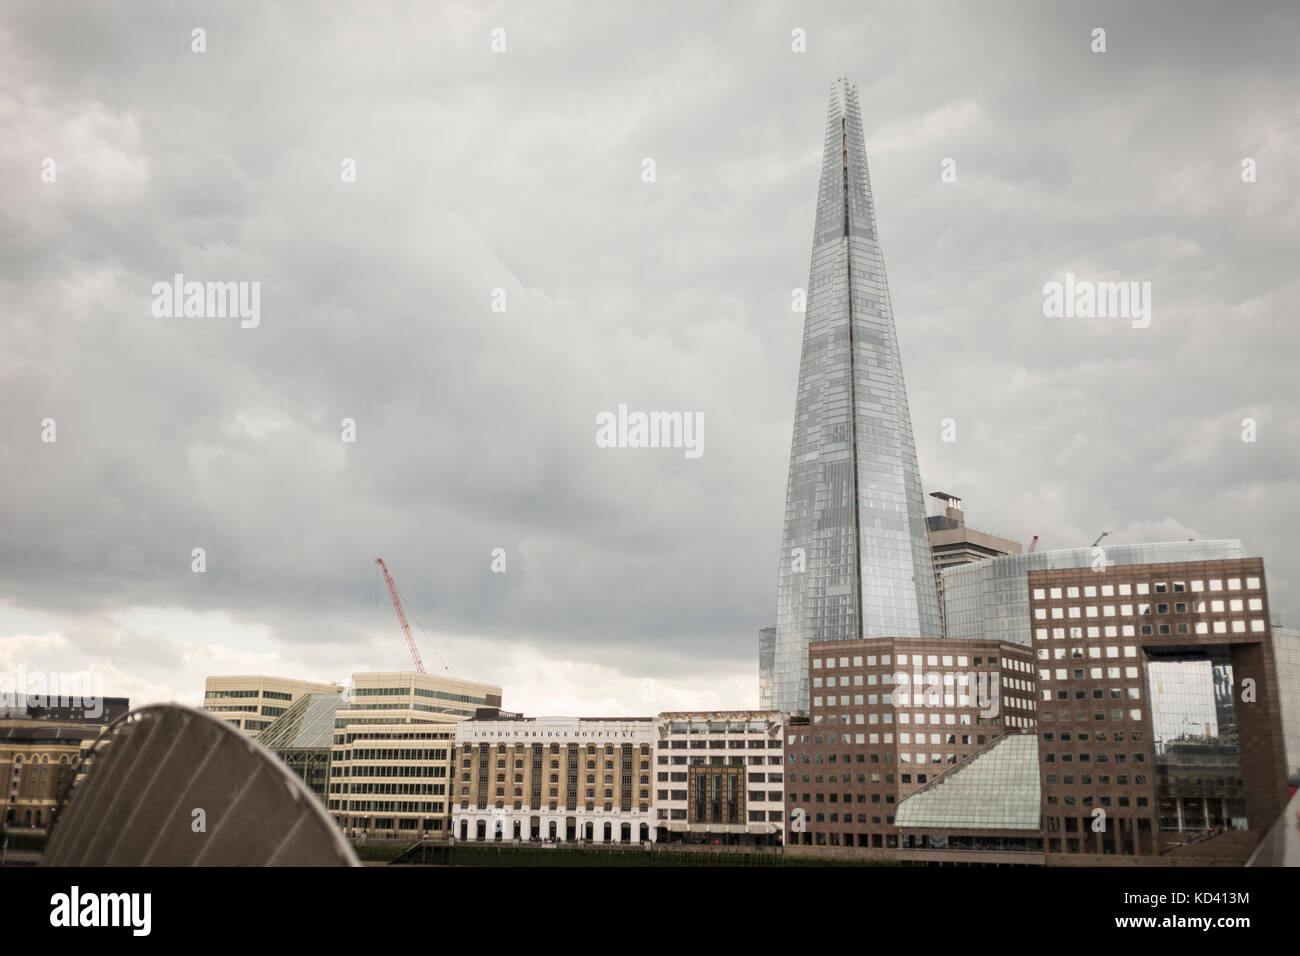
x=252 y=702
x=39 y=760
x=554 y=778
x=391 y=762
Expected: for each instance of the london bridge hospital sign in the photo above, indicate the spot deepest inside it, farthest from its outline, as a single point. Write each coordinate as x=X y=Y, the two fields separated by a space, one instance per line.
x=474 y=731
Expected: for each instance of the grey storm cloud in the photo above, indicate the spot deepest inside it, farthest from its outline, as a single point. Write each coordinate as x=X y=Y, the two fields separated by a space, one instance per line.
x=521 y=171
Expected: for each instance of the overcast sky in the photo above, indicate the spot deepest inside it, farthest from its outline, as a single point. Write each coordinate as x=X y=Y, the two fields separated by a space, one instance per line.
x=636 y=579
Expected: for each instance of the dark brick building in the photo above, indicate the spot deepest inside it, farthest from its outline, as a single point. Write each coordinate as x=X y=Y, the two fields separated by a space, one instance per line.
x=887 y=715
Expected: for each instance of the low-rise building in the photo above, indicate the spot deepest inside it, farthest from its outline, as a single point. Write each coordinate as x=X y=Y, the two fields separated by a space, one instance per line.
x=40 y=762
x=719 y=777
x=562 y=779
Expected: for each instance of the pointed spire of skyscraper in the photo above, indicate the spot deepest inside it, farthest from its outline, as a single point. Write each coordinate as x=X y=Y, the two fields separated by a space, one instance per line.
x=855 y=552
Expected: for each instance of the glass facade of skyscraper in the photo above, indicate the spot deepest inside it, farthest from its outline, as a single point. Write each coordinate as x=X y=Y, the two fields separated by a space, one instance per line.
x=766 y=664
x=855 y=555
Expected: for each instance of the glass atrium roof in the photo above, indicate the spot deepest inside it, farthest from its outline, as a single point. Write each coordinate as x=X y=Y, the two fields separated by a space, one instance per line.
x=308 y=724
x=996 y=789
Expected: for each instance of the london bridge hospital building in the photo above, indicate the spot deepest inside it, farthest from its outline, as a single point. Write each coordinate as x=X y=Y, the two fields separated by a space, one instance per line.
x=554 y=779
x=622 y=780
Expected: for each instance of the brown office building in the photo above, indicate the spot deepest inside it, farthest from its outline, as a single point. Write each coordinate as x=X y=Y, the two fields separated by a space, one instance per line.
x=886 y=716
x=1159 y=717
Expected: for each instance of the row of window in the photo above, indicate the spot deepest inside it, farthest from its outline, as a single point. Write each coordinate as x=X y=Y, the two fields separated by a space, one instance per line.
x=1144 y=610
x=390 y=770
x=1086 y=800
x=754 y=796
x=1161 y=587
x=916 y=660
x=1086 y=757
x=717 y=727
x=394 y=753
x=418 y=692
x=1077 y=673
x=1103 y=779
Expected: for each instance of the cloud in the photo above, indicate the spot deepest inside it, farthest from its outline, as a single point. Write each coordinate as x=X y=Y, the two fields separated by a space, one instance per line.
x=521 y=172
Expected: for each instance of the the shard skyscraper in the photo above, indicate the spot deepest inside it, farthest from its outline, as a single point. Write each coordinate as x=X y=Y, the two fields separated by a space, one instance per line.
x=855 y=553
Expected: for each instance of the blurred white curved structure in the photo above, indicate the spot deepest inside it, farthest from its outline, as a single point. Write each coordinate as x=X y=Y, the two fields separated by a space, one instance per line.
x=174 y=786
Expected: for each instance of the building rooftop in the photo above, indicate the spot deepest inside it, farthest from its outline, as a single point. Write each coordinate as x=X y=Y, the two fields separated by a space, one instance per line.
x=996 y=789
x=308 y=724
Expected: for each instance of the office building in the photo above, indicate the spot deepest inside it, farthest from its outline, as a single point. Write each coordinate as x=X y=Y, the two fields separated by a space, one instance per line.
x=719 y=777
x=1160 y=708
x=250 y=702
x=953 y=543
x=302 y=738
x=391 y=762
x=855 y=553
x=989 y=600
x=887 y=716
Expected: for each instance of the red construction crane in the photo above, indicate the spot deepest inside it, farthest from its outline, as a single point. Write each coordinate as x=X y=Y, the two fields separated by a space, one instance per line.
x=1032 y=544
x=401 y=615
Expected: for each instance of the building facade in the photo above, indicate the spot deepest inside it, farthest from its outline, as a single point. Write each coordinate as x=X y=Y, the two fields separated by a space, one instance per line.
x=855 y=554
x=989 y=600
x=390 y=771
x=250 y=702
x=1160 y=708
x=39 y=764
x=719 y=777
x=555 y=779
x=302 y=737
x=1286 y=655
x=97 y=712
x=887 y=716
x=953 y=543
